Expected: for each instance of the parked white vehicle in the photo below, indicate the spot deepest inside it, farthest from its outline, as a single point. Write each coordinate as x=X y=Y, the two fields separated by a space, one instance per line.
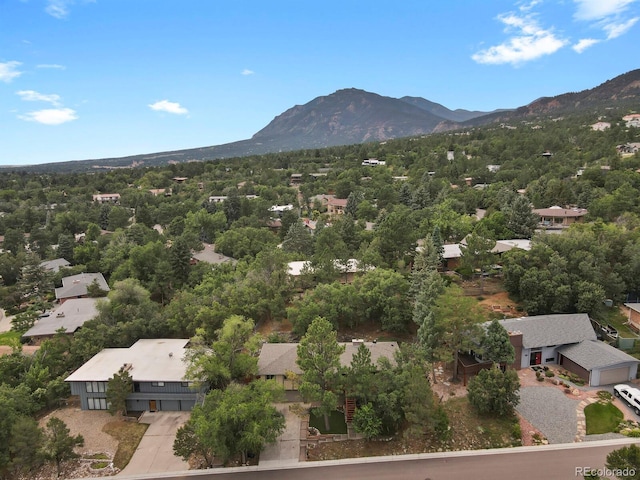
x=630 y=395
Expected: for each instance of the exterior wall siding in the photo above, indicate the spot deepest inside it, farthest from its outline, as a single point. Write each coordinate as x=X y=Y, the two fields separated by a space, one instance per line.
x=171 y=396
x=548 y=356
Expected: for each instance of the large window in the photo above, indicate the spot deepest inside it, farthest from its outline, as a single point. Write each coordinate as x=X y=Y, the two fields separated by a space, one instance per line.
x=95 y=387
x=97 y=403
x=157 y=384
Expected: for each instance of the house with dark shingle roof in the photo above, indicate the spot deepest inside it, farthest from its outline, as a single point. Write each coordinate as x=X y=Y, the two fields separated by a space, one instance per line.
x=69 y=317
x=569 y=340
x=75 y=286
x=55 y=265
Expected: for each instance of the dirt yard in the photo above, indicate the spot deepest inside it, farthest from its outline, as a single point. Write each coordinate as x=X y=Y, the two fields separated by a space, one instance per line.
x=98 y=446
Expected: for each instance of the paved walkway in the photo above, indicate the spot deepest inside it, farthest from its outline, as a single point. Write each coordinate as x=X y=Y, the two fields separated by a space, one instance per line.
x=155 y=452
x=5 y=322
x=286 y=450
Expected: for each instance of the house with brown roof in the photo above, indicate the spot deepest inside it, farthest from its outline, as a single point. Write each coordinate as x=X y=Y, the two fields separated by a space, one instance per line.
x=336 y=206
x=558 y=217
x=277 y=361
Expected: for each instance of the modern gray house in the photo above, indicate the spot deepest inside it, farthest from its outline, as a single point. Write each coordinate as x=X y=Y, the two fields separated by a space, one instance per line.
x=157 y=368
x=569 y=340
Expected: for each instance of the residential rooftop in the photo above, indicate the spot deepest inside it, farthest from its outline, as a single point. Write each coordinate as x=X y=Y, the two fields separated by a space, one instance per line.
x=150 y=360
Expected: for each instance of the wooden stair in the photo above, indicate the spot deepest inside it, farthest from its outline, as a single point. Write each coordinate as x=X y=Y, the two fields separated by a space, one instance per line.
x=349 y=409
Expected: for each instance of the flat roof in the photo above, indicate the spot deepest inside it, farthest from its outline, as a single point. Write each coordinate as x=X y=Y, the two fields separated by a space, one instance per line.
x=151 y=360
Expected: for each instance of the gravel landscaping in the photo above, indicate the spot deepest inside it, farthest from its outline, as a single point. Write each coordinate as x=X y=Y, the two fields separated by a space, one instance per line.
x=551 y=412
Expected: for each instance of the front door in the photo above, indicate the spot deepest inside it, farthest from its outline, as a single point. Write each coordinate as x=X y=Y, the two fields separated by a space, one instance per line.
x=536 y=358
x=152 y=406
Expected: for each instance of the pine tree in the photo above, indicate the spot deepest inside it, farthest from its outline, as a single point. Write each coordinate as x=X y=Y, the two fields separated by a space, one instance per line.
x=319 y=358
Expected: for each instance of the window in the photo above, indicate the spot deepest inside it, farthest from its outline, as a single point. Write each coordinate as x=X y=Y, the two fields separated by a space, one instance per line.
x=95 y=387
x=97 y=403
x=157 y=384
x=187 y=384
x=270 y=377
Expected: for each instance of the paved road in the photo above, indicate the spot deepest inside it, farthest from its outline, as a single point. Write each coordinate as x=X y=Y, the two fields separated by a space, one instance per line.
x=549 y=462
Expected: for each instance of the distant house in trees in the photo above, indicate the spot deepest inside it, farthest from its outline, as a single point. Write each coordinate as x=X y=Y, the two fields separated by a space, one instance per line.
x=75 y=286
x=632 y=120
x=628 y=148
x=160 y=191
x=600 y=126
x=276 y=360
x=336 y=206
x=373 y=162
x=107 y=198
x=209 y=255
x=280 y=209
x=567 y=340
x=558 y=217
x=320 y=200
x=55 y=265
x=222 y=198
x=347 y=270
x=452 y=253
x=295 y=179
x=157 y=368
x=68 y=316
x=180 y=179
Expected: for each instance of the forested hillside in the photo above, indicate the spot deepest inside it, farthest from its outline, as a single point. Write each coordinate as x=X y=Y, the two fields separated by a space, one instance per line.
x=428 y=187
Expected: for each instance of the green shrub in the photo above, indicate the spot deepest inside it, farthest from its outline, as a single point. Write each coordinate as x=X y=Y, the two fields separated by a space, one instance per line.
x=549 y=374
x=604 y=395
x=516 y=431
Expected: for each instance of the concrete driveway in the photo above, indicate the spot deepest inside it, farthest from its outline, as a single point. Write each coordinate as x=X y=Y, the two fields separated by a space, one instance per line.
x=286 y=449
x=155 y=452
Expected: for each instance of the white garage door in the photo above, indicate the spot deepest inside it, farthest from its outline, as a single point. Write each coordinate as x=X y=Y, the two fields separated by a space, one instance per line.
x=614 y=375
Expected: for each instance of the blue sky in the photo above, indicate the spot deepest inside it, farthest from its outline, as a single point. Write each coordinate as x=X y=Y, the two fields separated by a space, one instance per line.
x=84 y=79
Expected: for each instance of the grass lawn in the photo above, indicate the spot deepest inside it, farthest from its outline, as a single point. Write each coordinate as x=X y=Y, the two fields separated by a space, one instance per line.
x=614 y=317
x=602 y=417
x=128 y=435
x=9 y=338
x=336 y=422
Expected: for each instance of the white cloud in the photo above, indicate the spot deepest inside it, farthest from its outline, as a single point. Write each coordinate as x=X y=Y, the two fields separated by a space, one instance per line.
x=54 y=66
x=246 y=71
x=598 y=9
x=58 y=8
x=584 y=43
x=615 y=29
x=170 y=107
x=529 y=42
x=50 y=116
x=33 y=96
x=9 y=71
